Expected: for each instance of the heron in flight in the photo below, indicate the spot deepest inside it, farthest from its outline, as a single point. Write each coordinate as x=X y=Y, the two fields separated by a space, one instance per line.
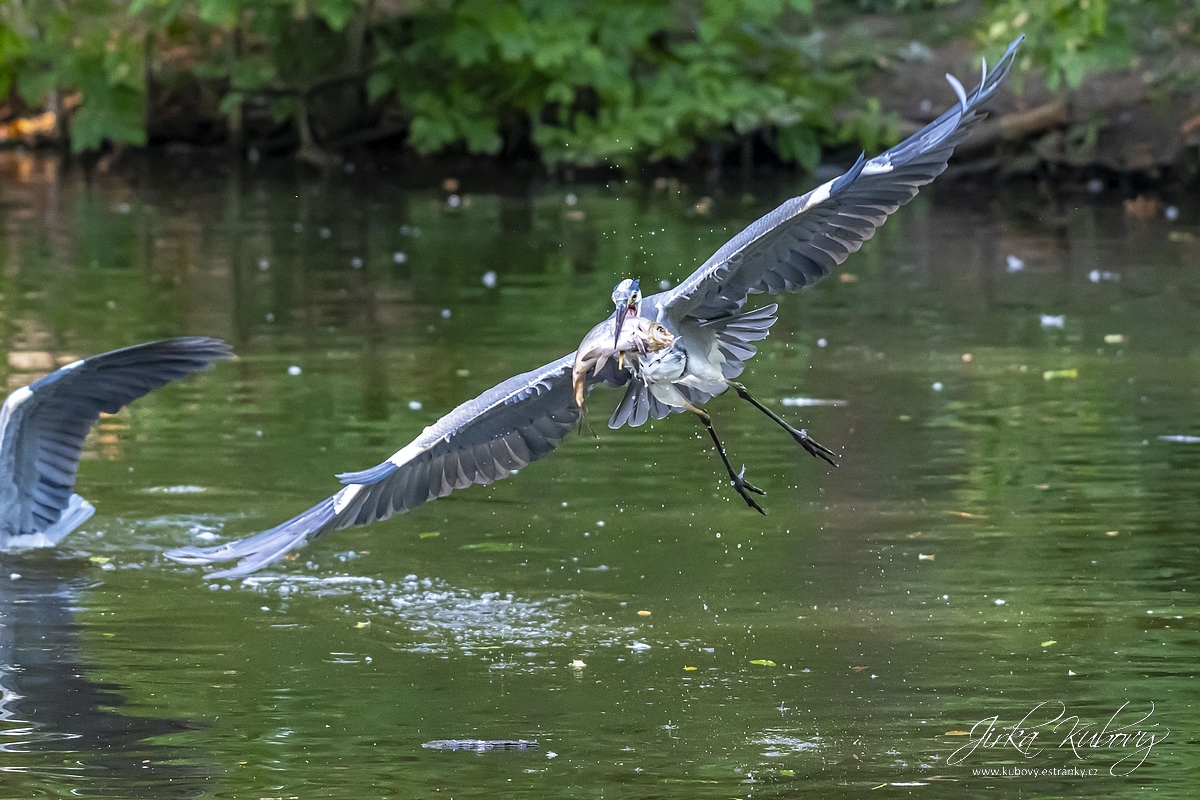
x=43 y=425
x=671 y=351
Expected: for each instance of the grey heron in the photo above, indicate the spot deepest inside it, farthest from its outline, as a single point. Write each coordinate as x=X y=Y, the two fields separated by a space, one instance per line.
x=43 y=426
x=672 y=351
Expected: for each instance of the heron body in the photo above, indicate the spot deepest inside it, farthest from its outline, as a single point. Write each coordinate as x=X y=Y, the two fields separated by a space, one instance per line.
x=671 y=352
x=43 y=426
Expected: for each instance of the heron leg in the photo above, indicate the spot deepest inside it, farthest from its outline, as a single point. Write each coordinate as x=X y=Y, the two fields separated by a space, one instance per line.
x=738 y=479
x=801 y=436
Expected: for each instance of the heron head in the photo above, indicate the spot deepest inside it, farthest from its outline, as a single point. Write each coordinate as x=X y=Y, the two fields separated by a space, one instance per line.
x=627 y=297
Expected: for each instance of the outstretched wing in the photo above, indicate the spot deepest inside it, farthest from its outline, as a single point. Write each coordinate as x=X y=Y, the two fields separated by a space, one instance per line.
x=806 y=237
x=43 y=425
x=483 y=440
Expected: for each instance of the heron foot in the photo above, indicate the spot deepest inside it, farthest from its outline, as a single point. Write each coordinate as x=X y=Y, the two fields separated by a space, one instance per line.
x=815 y=449
x=743 y=486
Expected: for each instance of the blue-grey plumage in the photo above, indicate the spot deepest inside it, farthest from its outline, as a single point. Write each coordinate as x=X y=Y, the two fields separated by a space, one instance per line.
x=526 y=417
x=483 y=440
x=43 y=427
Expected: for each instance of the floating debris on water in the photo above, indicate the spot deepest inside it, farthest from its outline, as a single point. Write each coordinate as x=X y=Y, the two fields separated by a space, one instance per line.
x=294 y=370
x=1057 y=374
x=1113 y=338
x=1095 y=276
x=1180 y=438
x=1054 y=320
x=481 y=745
x=784 y=743
x=489 y=279
x=1013 y=264
x=804 y=402
x=174 y=490
x=414 y=405
x=399 y=258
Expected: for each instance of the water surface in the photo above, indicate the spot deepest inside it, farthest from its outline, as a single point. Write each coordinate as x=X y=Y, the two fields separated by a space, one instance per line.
x=1006 y=528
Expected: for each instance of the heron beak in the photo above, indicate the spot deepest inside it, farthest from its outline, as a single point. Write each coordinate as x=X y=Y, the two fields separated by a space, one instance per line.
x=621 y=314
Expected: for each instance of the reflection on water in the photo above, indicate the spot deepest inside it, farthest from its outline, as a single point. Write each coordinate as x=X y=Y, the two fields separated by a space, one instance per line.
x=58 y=727
x=1014 y=379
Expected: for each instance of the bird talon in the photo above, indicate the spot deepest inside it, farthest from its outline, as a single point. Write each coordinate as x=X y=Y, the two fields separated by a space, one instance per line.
x=815 y=449
x=743 y=486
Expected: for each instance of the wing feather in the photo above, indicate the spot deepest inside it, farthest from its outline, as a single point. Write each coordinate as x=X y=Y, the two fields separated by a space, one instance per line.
x=802 y=240
x=44 y=425
x=506 y=428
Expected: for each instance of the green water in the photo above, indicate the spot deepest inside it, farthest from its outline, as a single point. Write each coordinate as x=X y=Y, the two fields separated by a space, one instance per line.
x=1006 y=529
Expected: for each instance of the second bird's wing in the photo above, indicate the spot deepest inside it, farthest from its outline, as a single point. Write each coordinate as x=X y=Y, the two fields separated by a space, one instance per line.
x=483 y=440
x=44 y=424
x=802 y=240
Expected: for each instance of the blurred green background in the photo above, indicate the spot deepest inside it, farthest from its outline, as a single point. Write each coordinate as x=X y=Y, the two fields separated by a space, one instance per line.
x=617 y=83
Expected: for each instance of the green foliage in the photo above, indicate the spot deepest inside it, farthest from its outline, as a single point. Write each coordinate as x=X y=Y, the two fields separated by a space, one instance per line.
x=1069 y=38
x=614 y=82
x=586 y=83
x=79 y=48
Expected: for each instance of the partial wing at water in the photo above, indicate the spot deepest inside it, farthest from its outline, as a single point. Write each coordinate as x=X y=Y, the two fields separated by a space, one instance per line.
x=44 y=425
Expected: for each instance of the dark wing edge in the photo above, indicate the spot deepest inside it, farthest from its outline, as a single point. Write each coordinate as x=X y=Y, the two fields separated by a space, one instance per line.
x=54 y=414
x=483 y=440
x=803 y=239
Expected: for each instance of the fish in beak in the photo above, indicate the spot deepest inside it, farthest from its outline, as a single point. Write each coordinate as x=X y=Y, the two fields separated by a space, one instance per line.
x=639 y=337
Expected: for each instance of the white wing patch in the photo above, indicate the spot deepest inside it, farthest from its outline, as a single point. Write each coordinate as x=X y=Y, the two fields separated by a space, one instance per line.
x=407 y=453
x=11 y=404
x=345 y=495
x=819 y=195
x=877 y=167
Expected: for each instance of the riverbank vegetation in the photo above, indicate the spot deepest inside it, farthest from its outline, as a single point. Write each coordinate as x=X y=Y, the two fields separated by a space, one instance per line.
x=567 y=83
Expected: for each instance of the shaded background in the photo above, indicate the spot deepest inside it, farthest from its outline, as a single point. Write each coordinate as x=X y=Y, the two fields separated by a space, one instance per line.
x=1104 y=89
